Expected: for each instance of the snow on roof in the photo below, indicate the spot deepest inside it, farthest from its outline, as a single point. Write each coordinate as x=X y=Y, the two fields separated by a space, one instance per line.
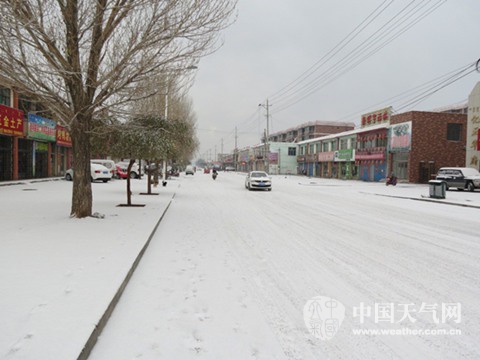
x=346 y=133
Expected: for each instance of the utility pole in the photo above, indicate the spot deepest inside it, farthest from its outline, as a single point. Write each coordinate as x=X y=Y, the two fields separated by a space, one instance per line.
x=266 y=106
x=235 y=151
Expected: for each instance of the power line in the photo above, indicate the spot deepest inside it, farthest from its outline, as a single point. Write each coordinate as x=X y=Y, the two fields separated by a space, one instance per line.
x=310 y=71
x=393 y=26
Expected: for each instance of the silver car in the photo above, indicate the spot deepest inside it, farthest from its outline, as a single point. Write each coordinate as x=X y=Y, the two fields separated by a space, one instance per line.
x=258 y=180
x=460 y=178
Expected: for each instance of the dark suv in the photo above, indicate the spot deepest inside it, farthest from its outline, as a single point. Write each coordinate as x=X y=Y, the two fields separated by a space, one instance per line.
x=460 y=178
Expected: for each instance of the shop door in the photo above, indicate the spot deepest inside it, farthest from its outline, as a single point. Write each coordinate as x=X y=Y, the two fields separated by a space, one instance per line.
x=41 y=164
x=25 y=159
x=423 y=172
x=6 y=158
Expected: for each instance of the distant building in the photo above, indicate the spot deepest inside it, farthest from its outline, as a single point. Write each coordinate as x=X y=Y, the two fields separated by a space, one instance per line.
x=282 y=158
x=310 y=130
x=412 y=145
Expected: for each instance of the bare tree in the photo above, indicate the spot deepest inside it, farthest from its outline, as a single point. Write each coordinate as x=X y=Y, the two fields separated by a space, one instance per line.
x=84 y=58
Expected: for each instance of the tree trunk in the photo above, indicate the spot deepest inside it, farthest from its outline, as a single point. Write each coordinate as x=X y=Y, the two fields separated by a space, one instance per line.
x=82 y=198
x=129 y=192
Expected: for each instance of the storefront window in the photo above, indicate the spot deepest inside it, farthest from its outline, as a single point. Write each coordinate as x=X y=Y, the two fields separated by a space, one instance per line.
x=5 y=96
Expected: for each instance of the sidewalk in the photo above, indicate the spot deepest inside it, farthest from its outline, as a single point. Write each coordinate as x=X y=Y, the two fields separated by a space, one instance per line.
x=58 y=275
x=406 y=191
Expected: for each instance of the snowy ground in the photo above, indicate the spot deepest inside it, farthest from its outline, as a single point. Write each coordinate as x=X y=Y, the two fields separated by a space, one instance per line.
x=228 y=273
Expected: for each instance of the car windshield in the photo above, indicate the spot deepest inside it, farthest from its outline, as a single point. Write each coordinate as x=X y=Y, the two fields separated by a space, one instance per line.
x=258 y=174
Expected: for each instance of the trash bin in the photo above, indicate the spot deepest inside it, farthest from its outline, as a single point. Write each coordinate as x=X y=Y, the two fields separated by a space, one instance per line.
x=437 y=189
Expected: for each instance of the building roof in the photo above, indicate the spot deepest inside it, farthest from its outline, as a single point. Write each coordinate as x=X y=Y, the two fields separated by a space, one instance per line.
x=314 y=123
x=458 y=106
x=345 y=133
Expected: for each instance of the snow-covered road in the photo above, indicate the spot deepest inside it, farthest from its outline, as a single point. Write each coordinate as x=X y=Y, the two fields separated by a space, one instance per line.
x=229 y=272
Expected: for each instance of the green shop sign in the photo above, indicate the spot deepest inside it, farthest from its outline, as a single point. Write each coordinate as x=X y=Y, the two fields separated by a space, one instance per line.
x=344 y=155
x=40 y=128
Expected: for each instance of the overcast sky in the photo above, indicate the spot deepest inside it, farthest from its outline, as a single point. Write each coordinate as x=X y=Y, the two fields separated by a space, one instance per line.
x=273 y=42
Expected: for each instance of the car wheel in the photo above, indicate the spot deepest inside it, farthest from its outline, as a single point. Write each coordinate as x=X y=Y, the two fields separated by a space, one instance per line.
x=249 y=188
x=133 y=175
x=460 y=189
x=68 y=177
x=269 y=189
x=91 y=179
x=105 y=180
x=470 y=186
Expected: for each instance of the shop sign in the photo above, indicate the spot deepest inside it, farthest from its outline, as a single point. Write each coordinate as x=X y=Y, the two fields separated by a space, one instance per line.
x=326 y=156
x=343 y=155
x=40 y=128
x=63 y=137
x=41 y=146
x=301 y=159
x=478 y=140
x=400 y=137
x=377 y=117
x=11 y=121
x=310 y=158
x=375 y=156
x=273 y=157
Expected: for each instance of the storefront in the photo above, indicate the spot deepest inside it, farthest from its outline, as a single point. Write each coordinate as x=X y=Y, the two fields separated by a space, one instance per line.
x=11 y=128
x=399 y=146
x=63 y=152
x=345 y=160
x=325 y=160
x=310 y=160
x=370 y=155
x=42 y=135
x=302 y=165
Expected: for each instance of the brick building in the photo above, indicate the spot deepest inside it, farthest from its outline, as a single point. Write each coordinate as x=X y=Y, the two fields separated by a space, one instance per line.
x=422 y=142
x=310 y=130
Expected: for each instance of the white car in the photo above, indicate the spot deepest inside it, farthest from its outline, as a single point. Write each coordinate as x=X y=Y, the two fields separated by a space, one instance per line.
x=190 y=170
x=258 y=180
x=97 y=172
x=109 y=164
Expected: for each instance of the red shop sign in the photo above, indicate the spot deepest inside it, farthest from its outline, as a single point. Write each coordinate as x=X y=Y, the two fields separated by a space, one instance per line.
x=11 y=121
x=63 y=137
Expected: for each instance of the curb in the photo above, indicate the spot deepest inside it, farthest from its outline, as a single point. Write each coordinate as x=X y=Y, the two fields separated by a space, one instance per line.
x=97 y=331
x=432 y=200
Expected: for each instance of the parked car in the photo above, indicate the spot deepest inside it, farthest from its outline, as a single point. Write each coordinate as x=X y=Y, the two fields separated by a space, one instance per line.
x=258 y=180
x=189 y=170
x=459 y=177
x=206 y=171
x=229 y=168
x=134 y=172
x=173 y=172
x=121 y=173
x=97 y=172
x=109 y=164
